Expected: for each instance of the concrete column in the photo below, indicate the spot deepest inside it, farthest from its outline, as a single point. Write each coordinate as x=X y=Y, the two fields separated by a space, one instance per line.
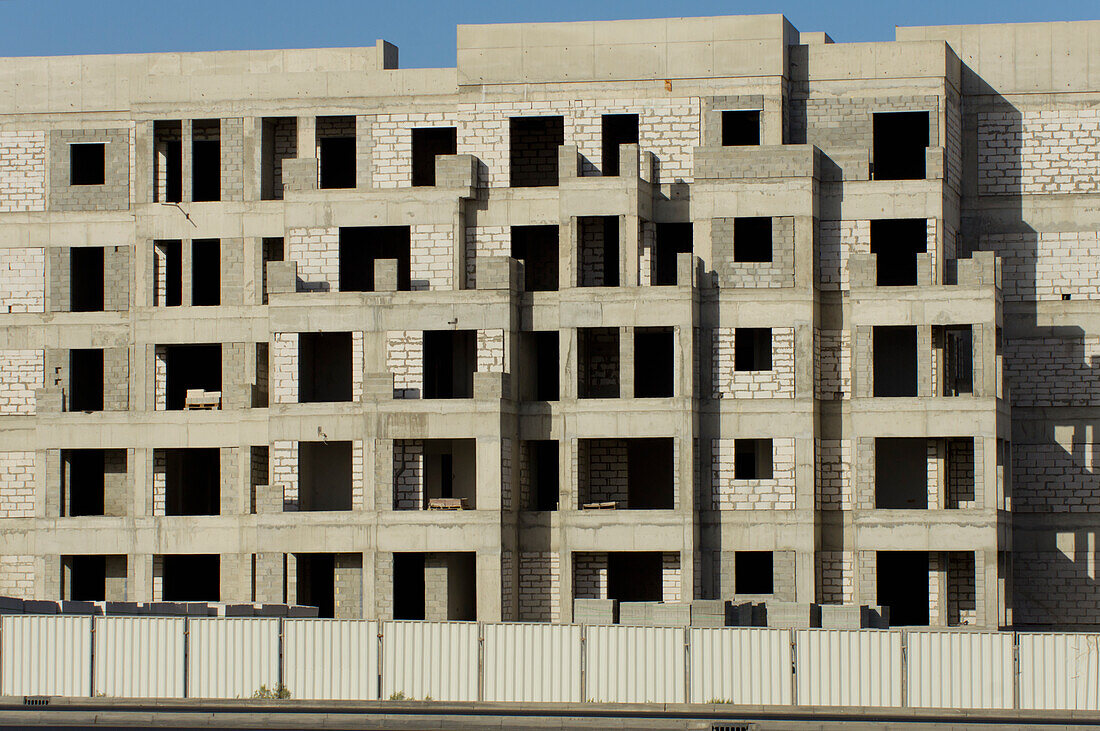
x=186 y=254
x=567 y=356
x=937 y=568
x=52 y=486
x=629 y=244
x=626 y=362
x=144 y=170
x=139 y=577
x=235 y=577
x=363 y=158
x=186 y=162
x=925 y=386
x=142 y=468
x=568 y=249
x=488 y=472
x=987 y=592
x=348 y=585
x=383 y=474
x=565 y=584
x=307 y=137
x=253 y=157
x=488 y=586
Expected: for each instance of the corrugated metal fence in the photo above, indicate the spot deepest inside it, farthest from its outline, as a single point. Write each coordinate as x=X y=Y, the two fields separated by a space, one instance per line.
x=175 y=657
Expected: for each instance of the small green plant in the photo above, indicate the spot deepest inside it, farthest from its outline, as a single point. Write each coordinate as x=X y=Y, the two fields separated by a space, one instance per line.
x=398 y=695
x=279 y=692
x=716 y=701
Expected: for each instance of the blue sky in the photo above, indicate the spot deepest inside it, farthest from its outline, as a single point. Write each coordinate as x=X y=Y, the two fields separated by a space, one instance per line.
x=424 y=29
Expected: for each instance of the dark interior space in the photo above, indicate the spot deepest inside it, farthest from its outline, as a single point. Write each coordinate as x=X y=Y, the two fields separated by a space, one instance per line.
x=543 y=469
x=86 y=163
x=752 y=459
x=537 y=248
x=958 y=359
x=408 y=586
x=206 y=273
x=670 y=240
x=533 y=150
x=961 y=490
x=753 y=572
x=272 y=250
x=598 y=361
x=361 y=246
x=172 y=261
x=897 y=242
x=278 y=142
x=617 y=129
x=903 y=586
x=86 y=279
x=337 y=162
x=206 y=160
x=192 y=481
x=901 y=473
x=598 y=238
x=192 y=367
x=740 y=127
x=168 y=160
x=324 y=476
x=752 y=349
x=895 y=361
x=650 y=474
x=449 y=363
x=539 y=373
x=461 y=586
x=324 y=367
x=426 y=144
x=653 y=362
x=900 y=141
x=635 y=576
x=83 y=474
x=752 y=240
x=317 y=582
x=191 y=577
x=86 y=380
x=450 y=471
x=87 y=578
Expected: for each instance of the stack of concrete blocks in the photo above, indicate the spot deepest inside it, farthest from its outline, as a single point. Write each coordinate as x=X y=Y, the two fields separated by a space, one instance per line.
x=709 y=613
x=792 y=615
x=595 y=611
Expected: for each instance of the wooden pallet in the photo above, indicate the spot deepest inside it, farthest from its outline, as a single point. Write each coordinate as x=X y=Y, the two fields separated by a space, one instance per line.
x=600 y=506
x=447 y=503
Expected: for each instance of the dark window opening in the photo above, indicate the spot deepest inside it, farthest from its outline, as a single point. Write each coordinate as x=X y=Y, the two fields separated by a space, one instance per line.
x=82 y=476
x=168 y=263
x=671 y=240
x=533 y=150
x=753 y=572
x=752 y=349
x=618 y=129
x=279 y=142
x=896 y=243
x=337 y=162
x=317 y=582
x=408 y=586
x=540 y=373
x=901 y=473
x=191 y=578
x=598 y=359
x=168 y=161
x=900 y=142
x=960 y=483
x=426 y=145
x=752 y=240
x=449 y=363
x=958 y=359
x=450 y=586
x=450 y=471
x=192 y=481
x=191 y=367
x=86 y=279
x=542 y=467
x=206 y=160
x=650 y=471
x=903 y=586
x=324 y=476
x=895 y=361
x=362 y=246
x=598 y=240
x=272 y=251
x=86 y=380
x=537 y=248
x=752 y=459
x=86 y=163
x=635 y=576
x=87 y=578
x=324 y=367
x=206 y=272
x=653 y=362
x=740 y=127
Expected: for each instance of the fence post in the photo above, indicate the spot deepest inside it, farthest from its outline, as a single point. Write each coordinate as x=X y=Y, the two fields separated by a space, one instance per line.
x=687 y=665
x=186 y=651
x=480 y=661
x=282 y=659
x=584 y=663
x=380 y=650
x=91 y=670
x=794 y=665
x=1015 y=670
x=905 y=668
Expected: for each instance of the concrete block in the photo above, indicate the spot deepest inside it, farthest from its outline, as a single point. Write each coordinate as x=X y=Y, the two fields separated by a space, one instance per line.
x=40 y=606
x=456 y=171
x=569 y=162
x=282 y=277
x=271 y=610
x=376 y=386
x=595 y=611
x=790 y=615
x=709 y=612
x=862 y=270
x=240 y=610
x=745 y=614
x=74 y=607
x=499 y=272
x=874 y=617
x=636 y=613
x=840 y=616
x=123 y=608
x=297 y=611
x=301 y=174
x=48 y=400
x=670 y=614
x=10 y=605
x=490 y=385
x=385 y=275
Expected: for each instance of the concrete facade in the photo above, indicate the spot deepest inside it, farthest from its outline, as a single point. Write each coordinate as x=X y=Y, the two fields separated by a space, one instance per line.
x=650 y=310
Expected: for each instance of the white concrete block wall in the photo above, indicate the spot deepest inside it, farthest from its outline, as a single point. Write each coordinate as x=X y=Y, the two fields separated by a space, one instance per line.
x=158 y=578
x=590 y=575
x=405 y=360
x=935 y=476
x=506 y=473
x=669 y=128
x=602 y=470
x=1044 y=266
x=357 y=365
x=1069 y=377
x=671 y=581
x=17 y=485
x=160 y=378
x=776 y=383
x=647 y=240
x=317 y=251
x=22 y=171
x=936 y=575
x=485 y=241
x=21 y=372
x=17 y=576
x=832 y=364
x=1055 y=477
x=160 y=274
x=837 y=240
x=490 y=351
x=507 y=569
x=408 y=474
x=358 y=476
x=539 y=586
x=160 y=481
x=836 y=577
x=431 y=256
x=284 y=471
x=1039 y=152
x=22 y=280
x=776 y=493
x=284 y=368
x=834 y=474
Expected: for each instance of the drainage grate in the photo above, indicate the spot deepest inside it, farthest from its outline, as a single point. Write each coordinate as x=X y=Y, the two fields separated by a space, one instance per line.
x=731 y=727
x=36 y=700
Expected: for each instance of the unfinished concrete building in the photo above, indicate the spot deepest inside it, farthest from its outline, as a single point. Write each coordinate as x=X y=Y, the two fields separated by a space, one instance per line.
x=646 y=310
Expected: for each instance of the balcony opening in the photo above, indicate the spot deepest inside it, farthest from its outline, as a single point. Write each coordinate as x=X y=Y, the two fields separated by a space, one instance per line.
x=324 y=367
x=324 y=476
x=192 y=368
x=542 y=470
x=86 y=380
x=598 y=361
x=317 y=582
x=540 y=366
x=533 y=150
x=362 y=246
x=279 y=142
x=671 y=240
x=598 y=239
x=752 y=349
x=272 y=251
x=93 y=482
x=427 y=143
x=449 y=363
x=408 y=586
x=752 y=240
x=740 y=127
x=654 y=369
x=168 y=161
x=85 y=578
x=336 y=151
x=752 y=459
x=618 y=129
x=168 y=273
x=753 y=573
x=955 y=347
x=86 y=279
x=896 y=242
x=900 y=144
x=435 y=474
x=901 y=473
x=895 y=361
x=633 y=474
x=961 y=486
x=450 y=586
x=192 y=481
x=191 y=577
x=86 y=163
x=206 y=160
x=206 y=276
x=635 y=576
x=537 y=248
x=903 y=586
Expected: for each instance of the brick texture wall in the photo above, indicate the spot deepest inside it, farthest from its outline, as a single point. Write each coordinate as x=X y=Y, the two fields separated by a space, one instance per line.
x=317 y=251
x=1066 y=366
x=1044 y=266
x=284 y=368
x=21 y=372
x=408 y=474
x=836 y=240
x=485 y=241
x=671 y=578
x=832 y=364
x=539 y=586
x=1057 y=584
x=17 y=577
x=1035 y=152
x=834 y=474
x=590 y=575
x=22 y=280
x=776 y=493
x=490 y=351
x=779 y=272
x=113 y=194
x=17 y=484
x=601 y=470
x=405 y=360
x=284 y=471
x=22 y=171
x=835 y=577
x=431 y=256
x=1055 y=478
x=775 y=383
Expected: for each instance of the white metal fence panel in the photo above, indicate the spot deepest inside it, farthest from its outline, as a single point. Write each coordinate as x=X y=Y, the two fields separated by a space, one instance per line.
x=848 y=667
x=331 y=659
x=139 y=657
x=740 y=665
x=634 y=664
x=1059 y=671
x=960 y=669
x=46 y=655
x=436 y=660
x=532 y=663
x=231 y=657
